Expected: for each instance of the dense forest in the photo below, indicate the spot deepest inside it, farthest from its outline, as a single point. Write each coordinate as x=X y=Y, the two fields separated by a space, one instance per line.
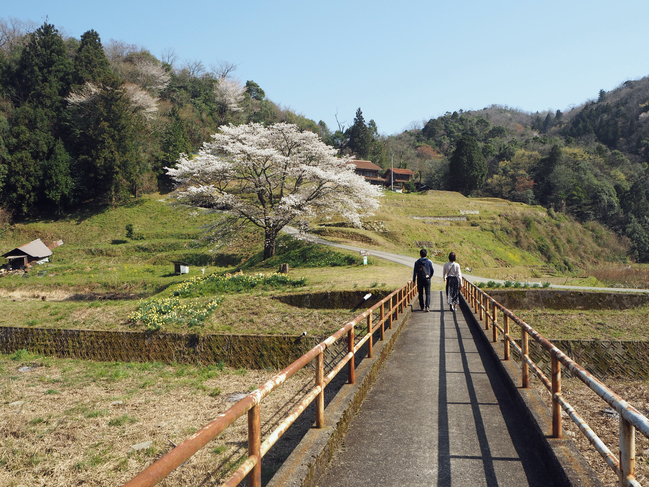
x=591 y=162
x=84 y=121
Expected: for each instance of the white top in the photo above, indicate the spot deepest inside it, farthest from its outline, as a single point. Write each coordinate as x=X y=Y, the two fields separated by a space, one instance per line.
x=452 y=269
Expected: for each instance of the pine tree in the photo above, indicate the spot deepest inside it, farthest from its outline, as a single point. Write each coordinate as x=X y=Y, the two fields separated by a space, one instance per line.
x=359 y=137
x=108 y=164
x=38 y=83
x=44 y=71
x=90 y=62
x=175 y=142
x=57 y=180
x=468 y=169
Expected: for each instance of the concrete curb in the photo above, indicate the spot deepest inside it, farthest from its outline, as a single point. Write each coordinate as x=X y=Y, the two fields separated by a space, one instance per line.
x=310 y=458
x=561 y=456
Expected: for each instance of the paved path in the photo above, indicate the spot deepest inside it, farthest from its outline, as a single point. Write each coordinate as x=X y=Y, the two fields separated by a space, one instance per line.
x=437 y=416
x=410 y=262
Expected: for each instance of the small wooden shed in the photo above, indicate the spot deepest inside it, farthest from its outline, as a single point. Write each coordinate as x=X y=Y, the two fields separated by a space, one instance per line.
x=24 y=256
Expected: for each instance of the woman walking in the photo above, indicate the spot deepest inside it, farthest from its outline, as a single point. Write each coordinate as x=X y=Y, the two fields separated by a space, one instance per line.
x=453 y=278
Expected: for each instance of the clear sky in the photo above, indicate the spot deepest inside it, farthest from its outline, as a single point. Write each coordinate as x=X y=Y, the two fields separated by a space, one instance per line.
x=400 y=61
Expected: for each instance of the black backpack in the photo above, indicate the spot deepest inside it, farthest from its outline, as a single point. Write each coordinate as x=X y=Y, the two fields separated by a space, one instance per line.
x=421 y=271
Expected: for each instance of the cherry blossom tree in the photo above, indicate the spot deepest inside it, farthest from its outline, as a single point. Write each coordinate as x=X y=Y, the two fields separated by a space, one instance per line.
x=272 y=176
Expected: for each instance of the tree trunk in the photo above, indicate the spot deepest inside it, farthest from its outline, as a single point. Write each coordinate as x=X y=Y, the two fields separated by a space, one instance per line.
x=270 y=235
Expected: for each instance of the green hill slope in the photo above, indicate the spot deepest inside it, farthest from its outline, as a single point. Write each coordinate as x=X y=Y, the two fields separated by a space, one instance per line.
x=493 y=237
x=96 y=276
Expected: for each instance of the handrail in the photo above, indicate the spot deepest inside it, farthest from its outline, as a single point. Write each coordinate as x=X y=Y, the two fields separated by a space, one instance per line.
x=631 y=419
x=251 y=404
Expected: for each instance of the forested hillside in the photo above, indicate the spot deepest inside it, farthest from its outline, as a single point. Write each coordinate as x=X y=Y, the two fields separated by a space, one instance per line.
x=81 y=120
x=590 y=162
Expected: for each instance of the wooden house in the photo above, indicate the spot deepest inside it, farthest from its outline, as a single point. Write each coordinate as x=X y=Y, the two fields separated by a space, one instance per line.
x=368 y=170
x=401 y=176
x=25 y=256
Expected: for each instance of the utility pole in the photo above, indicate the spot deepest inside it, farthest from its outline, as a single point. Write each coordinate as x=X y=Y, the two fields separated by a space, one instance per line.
x=392 y=172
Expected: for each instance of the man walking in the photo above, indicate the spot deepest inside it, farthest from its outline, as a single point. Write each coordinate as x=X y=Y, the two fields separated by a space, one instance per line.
x=421 y=274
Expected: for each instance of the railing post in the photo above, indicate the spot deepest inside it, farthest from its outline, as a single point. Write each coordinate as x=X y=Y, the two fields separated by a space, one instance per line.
x=382 y=321
x=391 y=312
x=319 y=381
x=525 y=368
x=350 y=349
x=556 y=390
x=481 y=308
x=494 y=321
x=370 y=347
x=486 y=312
x=475 y=299
x=506 y=341
x=396 y=308
x=627 y=451
x=254 y=444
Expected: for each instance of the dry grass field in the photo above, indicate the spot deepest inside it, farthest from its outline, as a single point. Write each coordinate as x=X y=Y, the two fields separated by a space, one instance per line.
x=68 y=422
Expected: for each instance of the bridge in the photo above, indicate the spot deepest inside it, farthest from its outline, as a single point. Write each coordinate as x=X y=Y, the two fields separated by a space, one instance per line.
x=449 y=406
x=439 y=414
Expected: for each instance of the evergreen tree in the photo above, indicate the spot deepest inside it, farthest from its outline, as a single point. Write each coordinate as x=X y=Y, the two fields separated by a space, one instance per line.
x=90 y=63
x=57 y=180
x=175 y=142
x=43 y=74
x=544 y=188
x=359 y=137
x=467 y=167
x=39 y=82
x=108 y=164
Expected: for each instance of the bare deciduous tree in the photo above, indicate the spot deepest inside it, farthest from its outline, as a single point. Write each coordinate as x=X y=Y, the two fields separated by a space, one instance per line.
x=223 y=70
x=194 y=68
x=12 y=33
x=169 y=56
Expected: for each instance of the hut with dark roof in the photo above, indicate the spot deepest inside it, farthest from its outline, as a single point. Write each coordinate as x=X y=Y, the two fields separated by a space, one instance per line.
x=24 y=256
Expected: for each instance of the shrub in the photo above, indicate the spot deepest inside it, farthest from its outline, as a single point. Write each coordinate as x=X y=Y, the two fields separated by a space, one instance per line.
x=297 y=253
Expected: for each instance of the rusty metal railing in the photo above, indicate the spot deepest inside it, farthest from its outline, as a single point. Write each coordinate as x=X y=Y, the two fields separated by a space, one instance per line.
x=251 y=404
x=487 y=309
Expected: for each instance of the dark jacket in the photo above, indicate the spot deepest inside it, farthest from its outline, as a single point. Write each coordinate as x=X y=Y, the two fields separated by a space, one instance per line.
x=428 y=265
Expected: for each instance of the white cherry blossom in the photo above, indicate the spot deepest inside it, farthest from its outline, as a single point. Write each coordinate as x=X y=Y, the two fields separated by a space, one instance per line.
x=272 y=176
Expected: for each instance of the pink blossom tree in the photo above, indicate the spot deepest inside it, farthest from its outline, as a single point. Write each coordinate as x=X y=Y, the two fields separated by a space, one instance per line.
x=272 y=176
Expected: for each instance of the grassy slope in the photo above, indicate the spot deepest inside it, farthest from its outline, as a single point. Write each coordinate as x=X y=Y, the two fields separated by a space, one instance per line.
x=499 y=238
x=97 y=258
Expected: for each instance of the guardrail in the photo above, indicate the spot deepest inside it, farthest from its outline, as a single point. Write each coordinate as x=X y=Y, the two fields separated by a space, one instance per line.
x=251 y=404
x=488 y=310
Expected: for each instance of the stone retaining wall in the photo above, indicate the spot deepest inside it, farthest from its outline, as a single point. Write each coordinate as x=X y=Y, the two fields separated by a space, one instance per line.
x=250 y=351
x=563 y=299
x=605 y=359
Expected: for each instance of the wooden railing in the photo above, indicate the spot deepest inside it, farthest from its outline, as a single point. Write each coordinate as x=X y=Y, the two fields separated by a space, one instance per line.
x=498 y=318
x=388 y=309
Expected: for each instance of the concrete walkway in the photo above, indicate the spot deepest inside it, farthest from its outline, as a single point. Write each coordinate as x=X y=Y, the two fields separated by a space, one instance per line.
x=438 y=415
x=410 y=262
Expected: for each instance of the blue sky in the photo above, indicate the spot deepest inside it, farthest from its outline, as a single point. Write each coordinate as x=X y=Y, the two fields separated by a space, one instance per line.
x=400 y=62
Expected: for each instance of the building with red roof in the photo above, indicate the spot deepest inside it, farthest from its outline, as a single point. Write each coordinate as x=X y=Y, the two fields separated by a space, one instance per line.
x=368 y=170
